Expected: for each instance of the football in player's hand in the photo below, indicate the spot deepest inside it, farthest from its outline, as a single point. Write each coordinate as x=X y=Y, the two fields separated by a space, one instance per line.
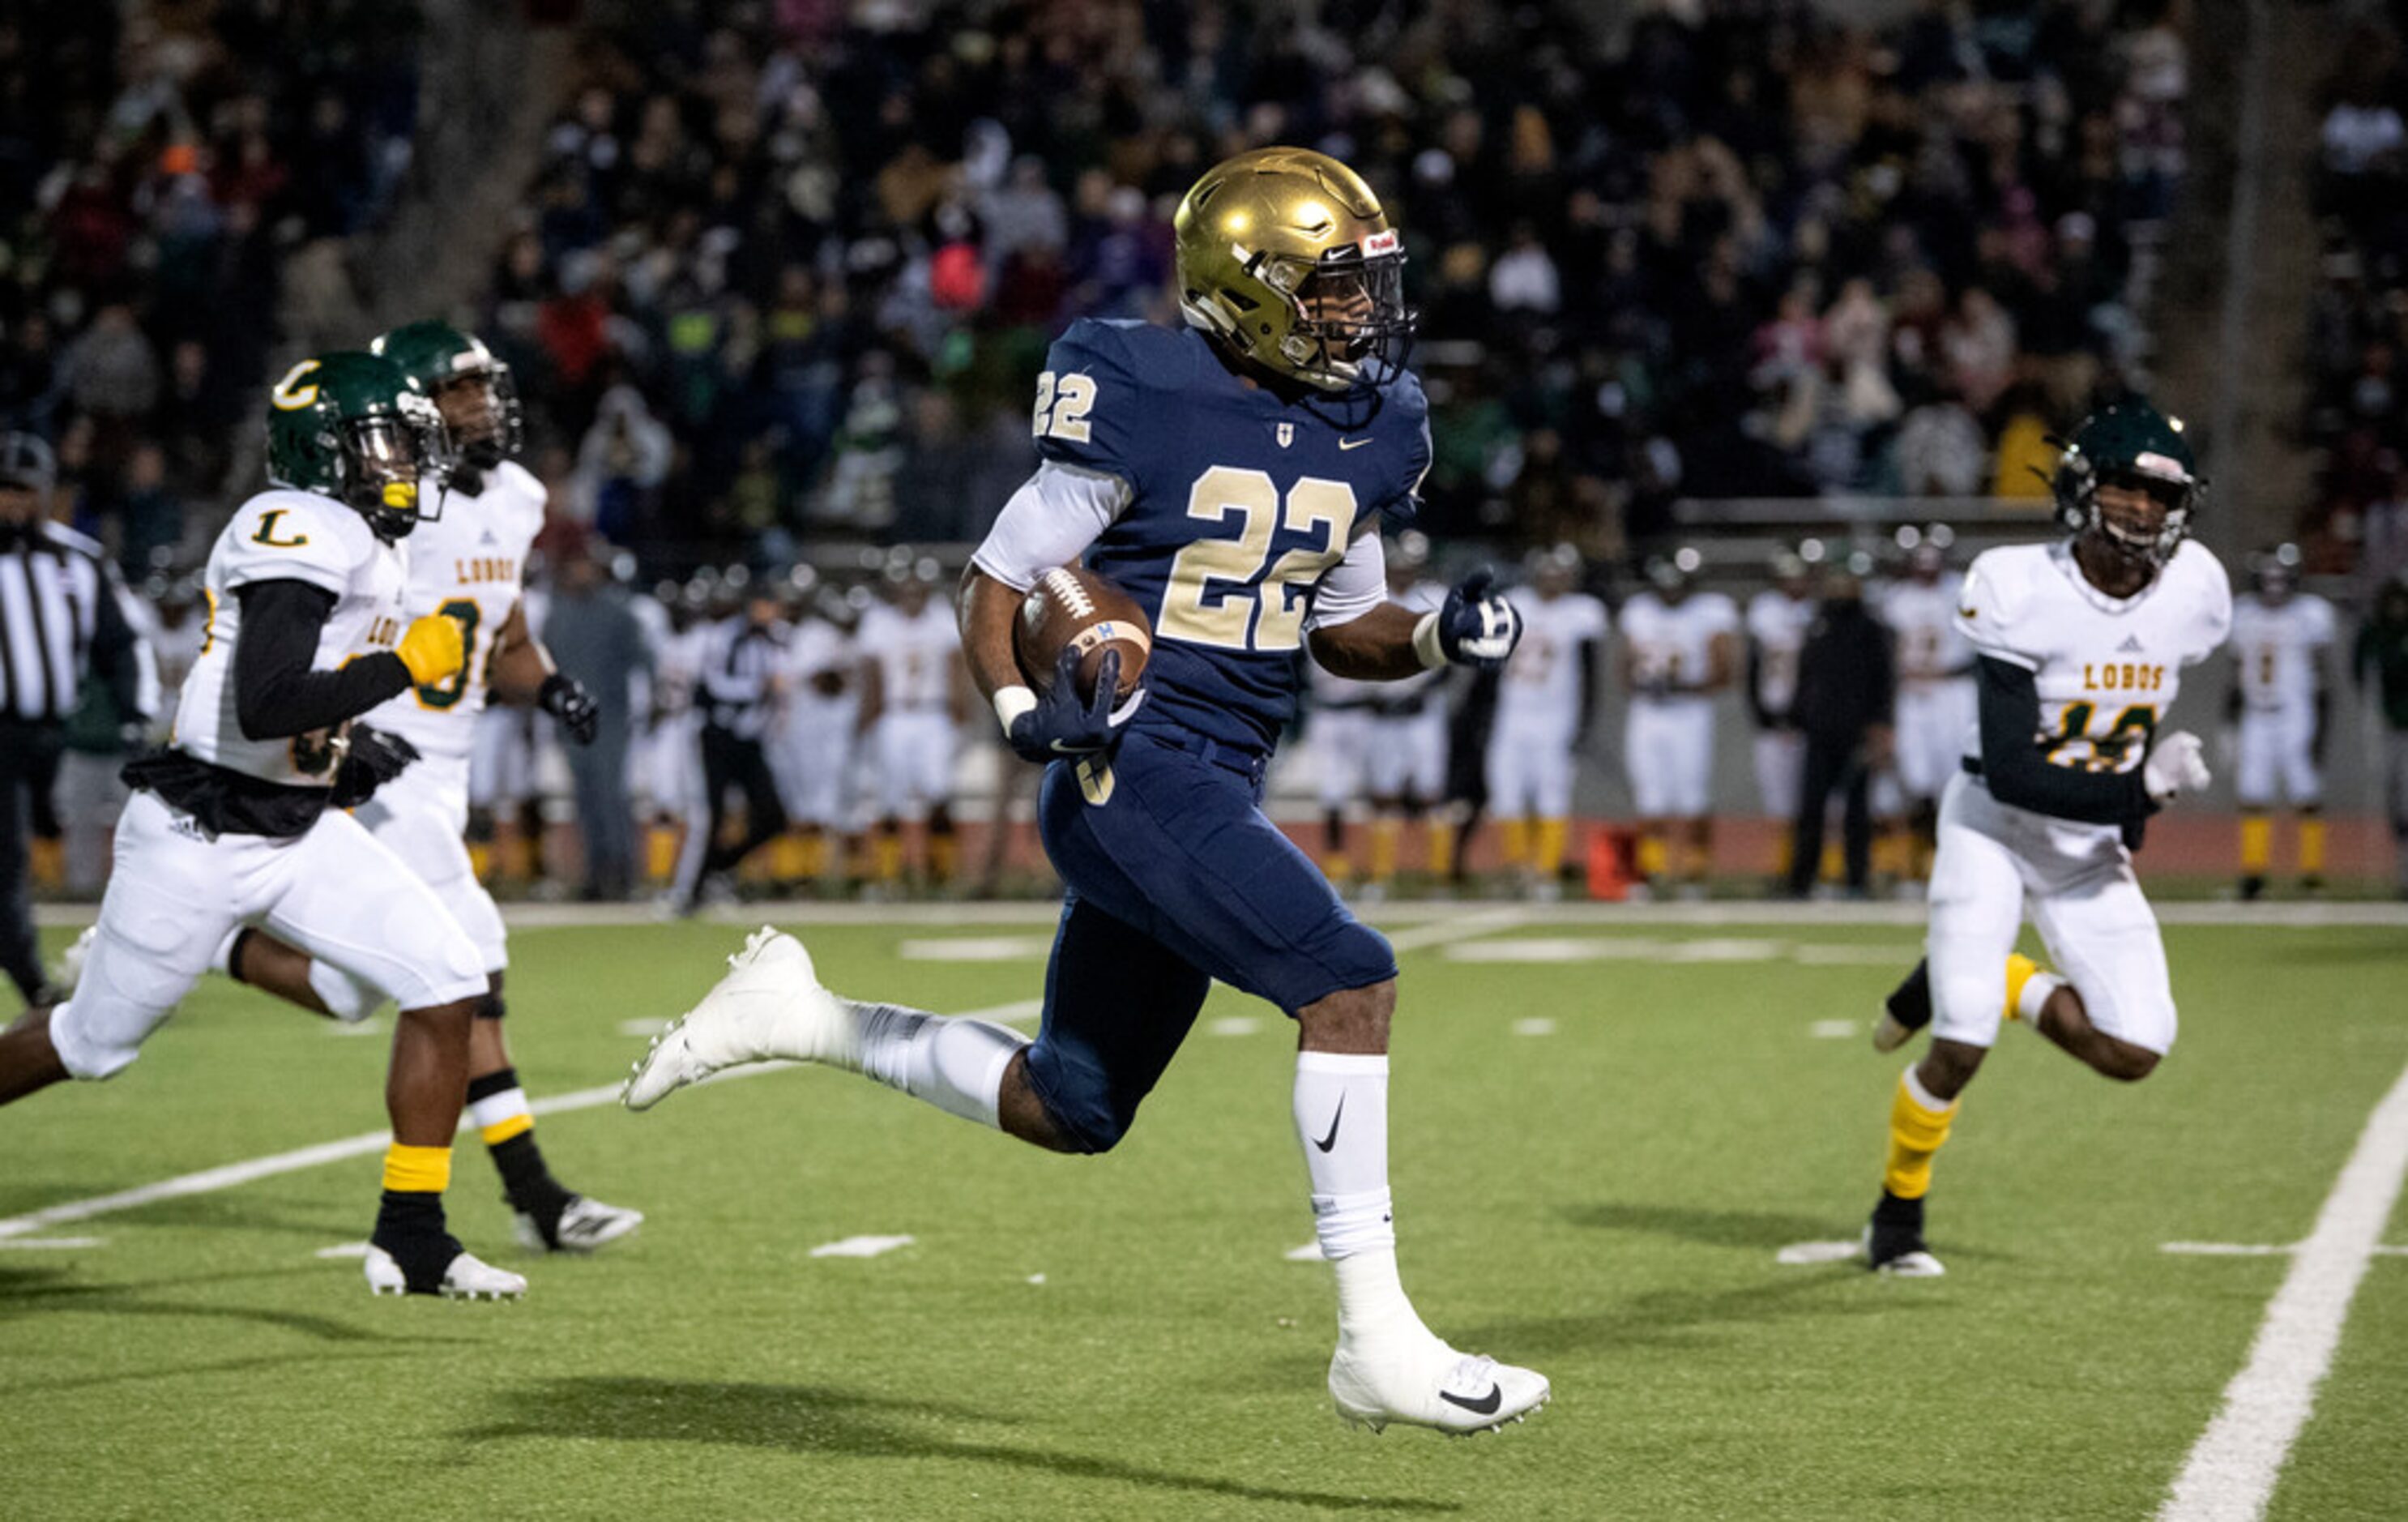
x=1072 y=607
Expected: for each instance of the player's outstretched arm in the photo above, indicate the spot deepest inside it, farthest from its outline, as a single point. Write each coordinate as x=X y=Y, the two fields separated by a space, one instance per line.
x=523 y=673
x=1475 y=627
x=276 y=693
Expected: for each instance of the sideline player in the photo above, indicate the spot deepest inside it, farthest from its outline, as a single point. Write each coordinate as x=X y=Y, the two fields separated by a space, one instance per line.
x=911 y=709
x=822 y=710
x=1407 y=772
x=465 y=564
x=1679 y=650
x=1231 y=476
x=240 y=821
x=2079 y=648
x=2279 y=639
x=1547 y=701
x=1778 y=618
x=1338 y=726
x=1935 y=690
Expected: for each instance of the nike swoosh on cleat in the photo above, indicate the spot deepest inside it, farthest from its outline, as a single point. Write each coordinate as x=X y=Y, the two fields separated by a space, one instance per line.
x=1331 y=1140
x=1485 y=1406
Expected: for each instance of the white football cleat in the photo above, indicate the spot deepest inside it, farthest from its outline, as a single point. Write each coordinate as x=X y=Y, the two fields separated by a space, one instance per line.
x=1422 y=1381
x=71 y=960
x=584 y=1225
x=466 y=1277
x=769 y=1007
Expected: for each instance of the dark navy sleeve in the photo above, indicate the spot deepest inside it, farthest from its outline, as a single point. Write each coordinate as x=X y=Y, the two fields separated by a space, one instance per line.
x=1091 y=403
x=1408 y=417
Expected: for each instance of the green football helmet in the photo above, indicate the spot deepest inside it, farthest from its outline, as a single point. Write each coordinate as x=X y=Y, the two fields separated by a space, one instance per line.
x=355 y=427
x=439 y=356
x=2128 y=444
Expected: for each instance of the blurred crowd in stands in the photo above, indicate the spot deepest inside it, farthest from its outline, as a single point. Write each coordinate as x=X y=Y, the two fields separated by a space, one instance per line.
x=786 y=271
x=783 y=277
x=2357 y=410
x=160 y=165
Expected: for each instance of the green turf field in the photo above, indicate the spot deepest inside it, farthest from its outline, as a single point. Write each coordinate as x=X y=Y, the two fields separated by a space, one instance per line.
x=1125 y=1337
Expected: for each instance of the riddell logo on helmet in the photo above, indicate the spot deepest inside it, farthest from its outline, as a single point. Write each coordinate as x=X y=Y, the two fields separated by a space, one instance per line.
x=1379 y=243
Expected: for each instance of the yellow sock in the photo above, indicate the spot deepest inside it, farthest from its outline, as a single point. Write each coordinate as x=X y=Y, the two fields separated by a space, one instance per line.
x=886 y=856
x=2257 y=845
x=522 y=857
x=2312 y=846
x=1513 y=840
x=1553 y=835
x=944 y=854
x=811 y=856
x=1916 y=1130
x=1442 y=847
x=1384 y=836
x=481 y=860
x=50 y=863
x=786 y=858
x=1784 y=850
x=2021 y=970
x=660 y=851
x=417 y=1169
x=1653 y=857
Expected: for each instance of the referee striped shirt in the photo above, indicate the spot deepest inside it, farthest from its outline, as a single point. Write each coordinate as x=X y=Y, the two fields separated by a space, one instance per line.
x=740 y=665
x=61 y=624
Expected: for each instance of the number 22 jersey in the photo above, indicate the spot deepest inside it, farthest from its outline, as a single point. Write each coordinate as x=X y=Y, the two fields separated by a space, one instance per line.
x=1238 y=502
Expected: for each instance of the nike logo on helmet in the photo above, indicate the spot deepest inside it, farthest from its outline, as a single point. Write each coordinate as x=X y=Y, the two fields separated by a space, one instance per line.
x=1485 y=1406
x=1331 y=1140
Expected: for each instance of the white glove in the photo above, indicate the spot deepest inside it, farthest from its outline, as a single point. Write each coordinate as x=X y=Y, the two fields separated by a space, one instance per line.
x=2177 y=765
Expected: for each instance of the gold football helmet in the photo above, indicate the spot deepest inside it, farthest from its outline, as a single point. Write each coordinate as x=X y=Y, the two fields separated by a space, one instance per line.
x=1286 y=255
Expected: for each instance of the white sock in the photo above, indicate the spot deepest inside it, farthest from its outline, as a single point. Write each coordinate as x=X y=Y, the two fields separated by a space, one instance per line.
x=2036 y=991
x=1342 y=1101
x=955 y=1064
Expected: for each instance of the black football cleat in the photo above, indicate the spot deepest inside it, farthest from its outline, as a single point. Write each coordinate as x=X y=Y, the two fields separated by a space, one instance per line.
x=1907 y=1010
x=1894 y=1240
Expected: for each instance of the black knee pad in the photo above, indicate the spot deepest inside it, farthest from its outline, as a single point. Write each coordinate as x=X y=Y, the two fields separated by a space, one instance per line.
x=490 y=1007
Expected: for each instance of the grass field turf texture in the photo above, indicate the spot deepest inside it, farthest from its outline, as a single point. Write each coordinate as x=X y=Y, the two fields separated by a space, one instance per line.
x=1603 y=1202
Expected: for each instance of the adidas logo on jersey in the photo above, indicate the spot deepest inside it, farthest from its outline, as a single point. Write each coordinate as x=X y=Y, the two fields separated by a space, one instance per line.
x=487 y=538
x=2131 y=646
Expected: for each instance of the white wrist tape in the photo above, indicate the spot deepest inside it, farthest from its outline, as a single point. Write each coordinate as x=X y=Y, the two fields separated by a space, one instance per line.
x=1426 y=645
x=1011 y=703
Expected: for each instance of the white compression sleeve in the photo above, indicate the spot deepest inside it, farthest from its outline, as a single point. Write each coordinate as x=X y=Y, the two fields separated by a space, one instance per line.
x=1049 y=522
x=1354 y=586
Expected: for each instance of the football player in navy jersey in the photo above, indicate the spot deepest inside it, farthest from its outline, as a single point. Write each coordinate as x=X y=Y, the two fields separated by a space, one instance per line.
x=1232 y=476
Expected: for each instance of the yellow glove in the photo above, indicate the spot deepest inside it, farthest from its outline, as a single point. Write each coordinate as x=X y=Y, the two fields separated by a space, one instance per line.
x=433 y=649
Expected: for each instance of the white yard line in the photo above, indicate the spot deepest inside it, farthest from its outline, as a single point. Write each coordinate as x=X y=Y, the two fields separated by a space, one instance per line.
x=2233 y=1468
x=232 y=1176
x=1460 y=926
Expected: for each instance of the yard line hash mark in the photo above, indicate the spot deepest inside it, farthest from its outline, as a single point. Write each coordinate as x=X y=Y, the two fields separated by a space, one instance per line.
x=250 y=1171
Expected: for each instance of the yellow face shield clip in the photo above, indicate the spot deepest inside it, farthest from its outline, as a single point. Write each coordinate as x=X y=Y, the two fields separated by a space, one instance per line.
x=401 y=496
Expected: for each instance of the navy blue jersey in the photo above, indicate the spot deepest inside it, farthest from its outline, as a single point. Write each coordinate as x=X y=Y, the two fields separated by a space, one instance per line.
x=1240 y=502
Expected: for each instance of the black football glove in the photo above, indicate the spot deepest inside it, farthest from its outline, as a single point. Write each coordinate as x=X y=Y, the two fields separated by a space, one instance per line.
x=1474 y=626
x=566 y=700
x=1062 y=724
x=372 y=759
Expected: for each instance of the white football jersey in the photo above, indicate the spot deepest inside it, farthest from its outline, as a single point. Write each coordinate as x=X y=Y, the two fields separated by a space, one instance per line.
x=287 y=536
x=2107 y=669
x=816 y=648
x=1930 y=647
x=468 y=563
x=914 y=653
x=2278 y=647
x=1778 y=622
x=1543 y=678
x=1671 y=642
